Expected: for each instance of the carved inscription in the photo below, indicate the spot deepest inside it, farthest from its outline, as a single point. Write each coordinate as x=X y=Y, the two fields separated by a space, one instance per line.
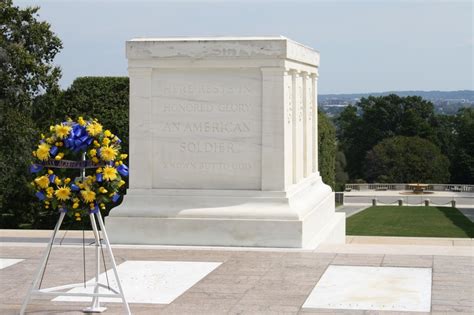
x=208 y=128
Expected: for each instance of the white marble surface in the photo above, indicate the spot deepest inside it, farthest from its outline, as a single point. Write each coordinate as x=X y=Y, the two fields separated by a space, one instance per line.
x=373 y=288
x=153 y=282
x=7 y=262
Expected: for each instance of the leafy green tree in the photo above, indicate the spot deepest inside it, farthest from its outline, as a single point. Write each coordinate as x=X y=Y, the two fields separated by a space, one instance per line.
x=373 y=119
x=326 y=149
x=104 y=98
x=463 y=156
x=27 y=50
x=341 y=175
x=405 y=160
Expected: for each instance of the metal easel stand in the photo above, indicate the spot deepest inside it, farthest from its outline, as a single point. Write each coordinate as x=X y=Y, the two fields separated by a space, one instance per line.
x=56 y=291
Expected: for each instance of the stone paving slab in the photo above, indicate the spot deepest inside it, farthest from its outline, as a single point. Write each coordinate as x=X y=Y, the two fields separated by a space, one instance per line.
x=247 y=282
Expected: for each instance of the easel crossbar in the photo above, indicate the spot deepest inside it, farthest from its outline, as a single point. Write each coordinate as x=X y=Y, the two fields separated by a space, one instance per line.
x=52 y=293
x=76 y=285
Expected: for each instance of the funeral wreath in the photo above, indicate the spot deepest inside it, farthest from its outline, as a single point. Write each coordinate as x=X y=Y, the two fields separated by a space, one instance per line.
x=78 y=167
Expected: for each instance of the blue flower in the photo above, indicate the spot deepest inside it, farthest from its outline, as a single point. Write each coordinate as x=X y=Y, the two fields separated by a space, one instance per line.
x=123 y=170
x=52 y=177
x=115 y=197
x=95 y=209
x=40 y=195
x=35 y=168
x=78 y=139
x=53 y=151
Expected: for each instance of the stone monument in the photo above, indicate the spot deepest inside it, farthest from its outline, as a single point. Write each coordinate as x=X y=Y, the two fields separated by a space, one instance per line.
x=223 y=146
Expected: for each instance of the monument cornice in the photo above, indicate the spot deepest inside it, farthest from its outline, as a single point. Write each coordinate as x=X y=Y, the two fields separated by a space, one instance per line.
x=271 y=47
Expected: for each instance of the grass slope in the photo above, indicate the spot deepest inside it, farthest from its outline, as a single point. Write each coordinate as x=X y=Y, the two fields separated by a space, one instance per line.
x=410 y=221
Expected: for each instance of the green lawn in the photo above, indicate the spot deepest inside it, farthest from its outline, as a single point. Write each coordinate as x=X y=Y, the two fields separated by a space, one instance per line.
x=410 y=221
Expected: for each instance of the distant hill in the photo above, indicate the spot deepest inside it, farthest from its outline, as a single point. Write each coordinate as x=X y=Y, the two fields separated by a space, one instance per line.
x=446 y=102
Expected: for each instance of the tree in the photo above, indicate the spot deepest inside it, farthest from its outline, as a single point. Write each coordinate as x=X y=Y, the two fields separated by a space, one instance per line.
x=104 y=98
x=373 y=119
x=27 y=50
x=326 y=149
x=341 y=175
x=406 y=160
x=463 y=156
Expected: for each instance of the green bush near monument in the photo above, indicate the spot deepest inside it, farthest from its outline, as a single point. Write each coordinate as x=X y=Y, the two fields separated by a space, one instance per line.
x=410 y=221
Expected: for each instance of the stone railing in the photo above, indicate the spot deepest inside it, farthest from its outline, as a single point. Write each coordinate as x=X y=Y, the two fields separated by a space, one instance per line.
x=391 y=186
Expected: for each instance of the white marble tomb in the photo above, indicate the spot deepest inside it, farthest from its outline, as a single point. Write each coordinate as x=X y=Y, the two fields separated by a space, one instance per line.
x=223 y=134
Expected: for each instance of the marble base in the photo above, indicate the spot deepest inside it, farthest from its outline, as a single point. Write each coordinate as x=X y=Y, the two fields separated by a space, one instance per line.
x=303 y=217
x=373 y=288
x=149 y=282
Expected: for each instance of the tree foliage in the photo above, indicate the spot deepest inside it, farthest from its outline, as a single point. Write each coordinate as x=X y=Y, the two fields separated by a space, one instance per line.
x=27 y=49
x=463 y=156
x=373 y=119
x=326 y=149
x=104 y=98
x=406 y=160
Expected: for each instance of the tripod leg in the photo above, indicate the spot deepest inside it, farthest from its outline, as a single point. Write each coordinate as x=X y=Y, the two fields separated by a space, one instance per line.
x=114 y=265
x=42 y=265
x=95 y=307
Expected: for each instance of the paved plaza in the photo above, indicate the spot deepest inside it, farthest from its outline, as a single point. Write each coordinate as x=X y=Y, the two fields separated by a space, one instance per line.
x=243 y=280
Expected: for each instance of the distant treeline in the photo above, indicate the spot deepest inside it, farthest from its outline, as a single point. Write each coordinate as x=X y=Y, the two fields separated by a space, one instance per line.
x=402 y=140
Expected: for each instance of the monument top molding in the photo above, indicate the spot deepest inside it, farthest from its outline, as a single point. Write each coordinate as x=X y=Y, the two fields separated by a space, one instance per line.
x=266 y=47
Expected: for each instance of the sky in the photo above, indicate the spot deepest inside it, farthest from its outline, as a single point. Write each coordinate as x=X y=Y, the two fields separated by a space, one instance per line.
x=365 y=46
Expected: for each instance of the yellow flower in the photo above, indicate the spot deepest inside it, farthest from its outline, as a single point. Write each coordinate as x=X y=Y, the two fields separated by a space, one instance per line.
x=95 y=160
x=96 y=144
x=123 y=156
x=50 y=190
x=87 y=195
x=50 y=172
x=106 y=141
x=75 y=205
x=67 y=180
x=42 y=181
x=110 y=173
x=63 y=193
x=62 y=131
x=107 y=133
x=50 y=140
x=43 y=151
x=59 y=156
x=81 y=121
x=93 y=152
x=94 y=129
x=89 y=180
x=57 y=181
x=102 y=190
x=108 y=153
x=121 y=183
